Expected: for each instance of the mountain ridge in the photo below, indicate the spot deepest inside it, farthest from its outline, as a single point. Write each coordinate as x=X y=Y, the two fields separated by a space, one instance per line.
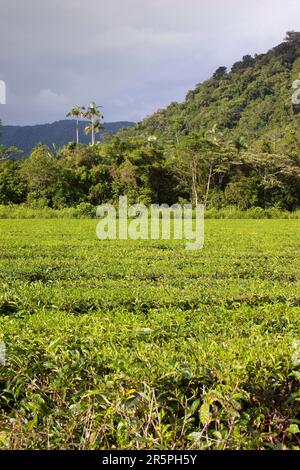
x=58 y=132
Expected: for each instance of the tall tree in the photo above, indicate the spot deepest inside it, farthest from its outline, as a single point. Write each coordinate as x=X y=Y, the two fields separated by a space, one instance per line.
x=95 y=125
x=77 y=113
x=202 y=158
x=193 y=163
x=93 y=128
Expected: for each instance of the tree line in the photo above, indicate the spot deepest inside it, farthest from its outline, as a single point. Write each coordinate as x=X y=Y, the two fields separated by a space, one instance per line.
x=203 y=168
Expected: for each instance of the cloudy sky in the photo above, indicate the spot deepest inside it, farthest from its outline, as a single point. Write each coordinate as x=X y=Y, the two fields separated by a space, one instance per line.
x=131 y=56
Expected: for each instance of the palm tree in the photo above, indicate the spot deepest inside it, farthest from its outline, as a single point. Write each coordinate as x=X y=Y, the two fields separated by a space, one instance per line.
x=77 y=112
x=95 y=126
x=239 y=144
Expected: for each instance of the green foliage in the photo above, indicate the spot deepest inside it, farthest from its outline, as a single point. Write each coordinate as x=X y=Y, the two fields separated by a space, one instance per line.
x=253 y=100
x=38 y=210
x=144 y=345
x=85 y=210
x=205 y=168
x=41 y=173
x=13 y=186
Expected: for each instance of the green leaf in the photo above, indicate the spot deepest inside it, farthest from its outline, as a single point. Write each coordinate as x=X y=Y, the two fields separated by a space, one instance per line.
x=144 y=332
x=195 y=436
x=295 y=374
x=205 y=413
x=293 y=429
x=195 y=405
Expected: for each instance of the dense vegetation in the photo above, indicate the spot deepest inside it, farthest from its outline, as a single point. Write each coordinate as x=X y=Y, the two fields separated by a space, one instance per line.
x=234 y=141
x=252 y=101
x=142 y=344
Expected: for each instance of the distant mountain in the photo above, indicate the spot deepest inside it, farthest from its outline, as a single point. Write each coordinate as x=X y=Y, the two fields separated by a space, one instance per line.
x=58 y=133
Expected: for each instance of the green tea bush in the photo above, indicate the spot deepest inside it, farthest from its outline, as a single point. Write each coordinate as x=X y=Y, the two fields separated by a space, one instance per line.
x=145 y=345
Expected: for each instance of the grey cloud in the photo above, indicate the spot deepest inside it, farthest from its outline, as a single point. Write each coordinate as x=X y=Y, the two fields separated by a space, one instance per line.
x=131 y=56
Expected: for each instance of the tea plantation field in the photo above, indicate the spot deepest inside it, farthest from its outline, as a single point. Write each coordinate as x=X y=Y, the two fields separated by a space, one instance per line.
x=142 y=344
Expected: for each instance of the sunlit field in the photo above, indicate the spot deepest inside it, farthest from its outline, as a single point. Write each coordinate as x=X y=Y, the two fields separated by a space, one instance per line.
x=143 y=344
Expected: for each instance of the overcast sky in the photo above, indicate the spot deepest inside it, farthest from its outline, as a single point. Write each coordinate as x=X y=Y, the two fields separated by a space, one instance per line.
x=131 y=56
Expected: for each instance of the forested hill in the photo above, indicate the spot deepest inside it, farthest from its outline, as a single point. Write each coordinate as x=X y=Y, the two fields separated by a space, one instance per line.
x=58 y=133
x=253 y=100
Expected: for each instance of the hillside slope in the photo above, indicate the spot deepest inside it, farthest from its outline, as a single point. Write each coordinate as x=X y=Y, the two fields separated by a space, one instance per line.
x=253 y=100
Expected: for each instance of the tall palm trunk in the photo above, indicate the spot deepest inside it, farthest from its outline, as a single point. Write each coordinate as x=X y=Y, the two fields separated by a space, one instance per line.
x=194 y=181
x=93 y=134
x=208 y=184
x=77 y=131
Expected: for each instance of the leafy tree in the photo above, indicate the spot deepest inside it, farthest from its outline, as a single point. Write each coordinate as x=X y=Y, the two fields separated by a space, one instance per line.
x=7 y=153
x=41 y=173
x=220 y=73
x=273 y=169
x=202 y=158
x=13 y=187
x=293 y=37
x=243 y=192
